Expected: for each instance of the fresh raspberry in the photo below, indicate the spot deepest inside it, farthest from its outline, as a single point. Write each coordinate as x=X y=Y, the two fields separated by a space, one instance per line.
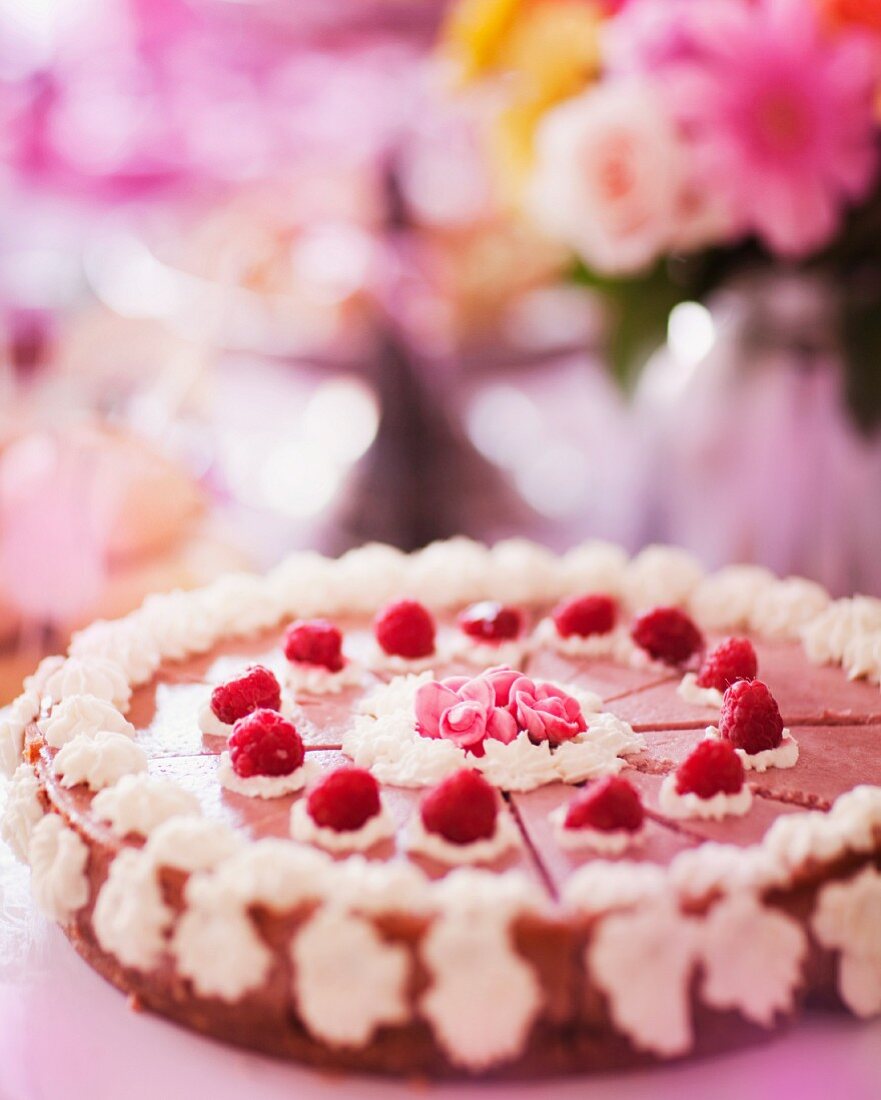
x=405 y=629
x=585 y=615
x=667 y=634
x=489 y=621
x=314 y=642
x=731 y=660
x=251 y=690
x=750 y=717
x=461 y=808
x=264 y=743
x=712 y=767
x=610 y=803
x=344 y=800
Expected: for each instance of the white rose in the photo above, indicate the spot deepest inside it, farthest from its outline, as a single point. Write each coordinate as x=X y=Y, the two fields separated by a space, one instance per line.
x=608 y=176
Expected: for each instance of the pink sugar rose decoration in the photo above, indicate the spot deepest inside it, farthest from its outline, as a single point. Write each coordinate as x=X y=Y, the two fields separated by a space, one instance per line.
x=545 y=711
x=496 y=705
x=501 y=679
x=463 y=711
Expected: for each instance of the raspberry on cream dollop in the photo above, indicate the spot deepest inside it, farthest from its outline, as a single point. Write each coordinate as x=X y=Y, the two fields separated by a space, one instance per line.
x=730 y=661
x=405 y=628
x=254 y=689
x=266 y=757
x=751 y=722
x=667 y=635
x=606 y=816
x=709 y=783
x=314 y=642
x=343 y=811
x=490 y=622
x=344 y=800
x=750 y=717
x=462 y=808
x=585 y=616
x=461 y=821
x=609 y=805
x=316 y=662
x=264 y=743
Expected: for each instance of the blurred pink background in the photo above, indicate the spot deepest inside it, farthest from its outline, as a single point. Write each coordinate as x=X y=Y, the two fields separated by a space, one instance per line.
x=258 y=291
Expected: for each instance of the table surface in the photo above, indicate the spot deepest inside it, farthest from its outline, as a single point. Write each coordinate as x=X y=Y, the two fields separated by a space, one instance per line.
x=65 y=1034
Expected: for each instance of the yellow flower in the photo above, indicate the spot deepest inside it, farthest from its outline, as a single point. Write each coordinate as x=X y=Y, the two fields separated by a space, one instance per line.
x=540 y=51
x=474 y=32
x=548 y=48
x=511 y=143
x=552 y=49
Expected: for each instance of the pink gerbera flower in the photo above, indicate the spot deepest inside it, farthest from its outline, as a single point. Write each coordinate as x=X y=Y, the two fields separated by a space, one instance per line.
x=781 y=119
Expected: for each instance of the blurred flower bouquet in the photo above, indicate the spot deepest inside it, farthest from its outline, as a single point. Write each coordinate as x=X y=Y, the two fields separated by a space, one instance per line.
x=671 y=143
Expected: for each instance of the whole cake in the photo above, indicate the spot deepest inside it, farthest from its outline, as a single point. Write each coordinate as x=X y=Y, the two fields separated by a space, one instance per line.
x=468 y=811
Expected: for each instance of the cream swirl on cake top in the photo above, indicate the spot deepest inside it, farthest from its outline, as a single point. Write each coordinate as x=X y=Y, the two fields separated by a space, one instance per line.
x=556 y=733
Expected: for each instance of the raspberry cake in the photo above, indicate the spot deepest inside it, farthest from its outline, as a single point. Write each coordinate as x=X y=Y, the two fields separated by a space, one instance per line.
x=469 y=811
